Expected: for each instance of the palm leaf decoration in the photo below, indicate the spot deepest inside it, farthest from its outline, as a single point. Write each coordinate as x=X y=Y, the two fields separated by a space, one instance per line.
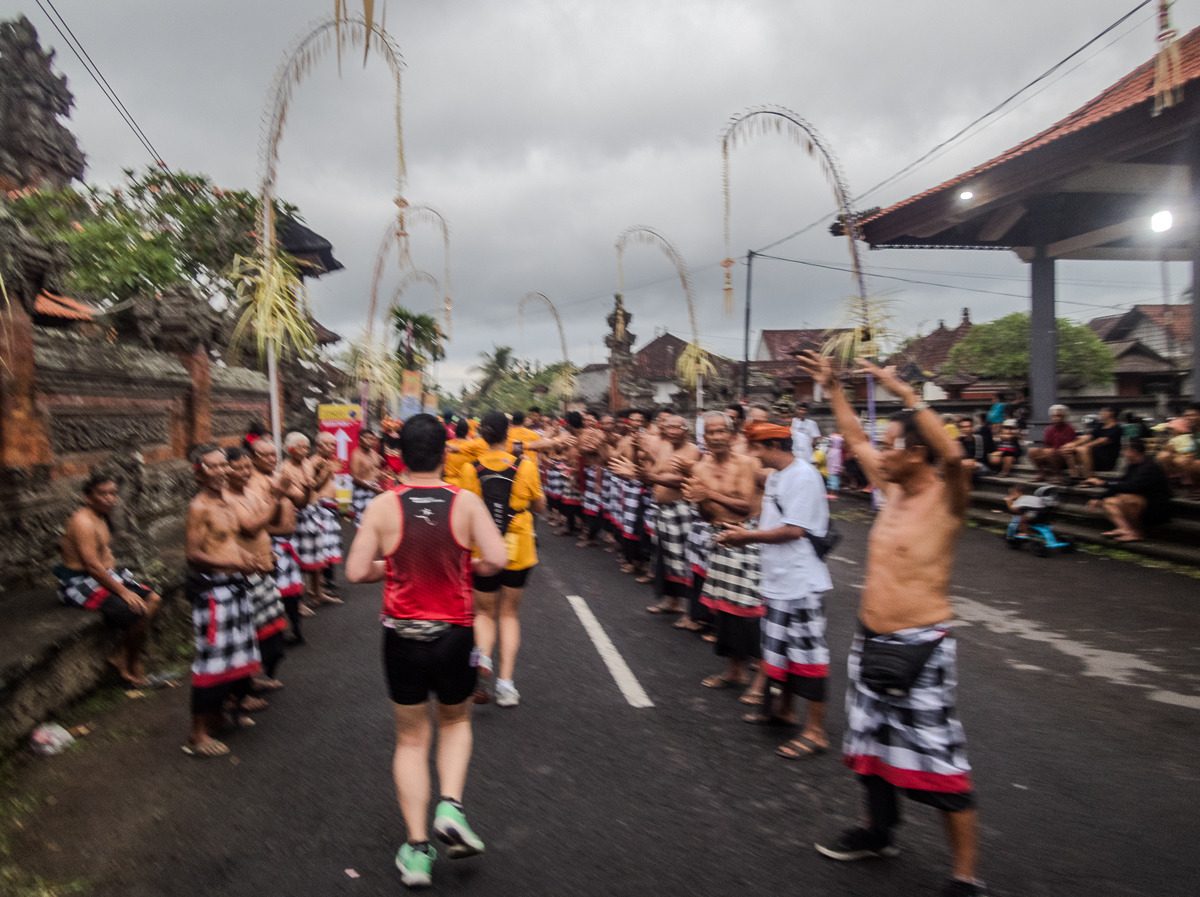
x=694 y=362
x=373 y=362
x=274 y=307
x=866 y=330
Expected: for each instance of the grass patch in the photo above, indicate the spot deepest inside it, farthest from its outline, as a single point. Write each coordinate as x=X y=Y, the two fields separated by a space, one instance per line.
x=1118 y=554
x=16 y=883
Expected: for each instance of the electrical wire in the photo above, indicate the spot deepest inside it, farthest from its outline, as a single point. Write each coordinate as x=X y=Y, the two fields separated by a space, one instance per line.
x=94 y=71
x=945 y=143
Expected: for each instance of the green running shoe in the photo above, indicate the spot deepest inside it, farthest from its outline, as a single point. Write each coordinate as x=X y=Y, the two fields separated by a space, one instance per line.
x=450 y=825
x=416 y=867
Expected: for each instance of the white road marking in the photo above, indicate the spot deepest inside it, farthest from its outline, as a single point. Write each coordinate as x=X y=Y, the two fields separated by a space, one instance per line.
x=626 y=681
x=838 y=557
x=1170 y=697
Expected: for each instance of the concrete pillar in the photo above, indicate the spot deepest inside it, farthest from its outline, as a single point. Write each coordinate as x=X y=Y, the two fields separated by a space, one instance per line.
x=197 y=427
x=1043 y=344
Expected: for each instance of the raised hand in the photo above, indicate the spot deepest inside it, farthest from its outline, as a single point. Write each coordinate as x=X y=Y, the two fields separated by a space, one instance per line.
x=819 y=367
x=887 y=378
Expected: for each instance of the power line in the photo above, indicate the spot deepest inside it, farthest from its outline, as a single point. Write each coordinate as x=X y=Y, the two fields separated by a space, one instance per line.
x=94 y=71
x=907 y=168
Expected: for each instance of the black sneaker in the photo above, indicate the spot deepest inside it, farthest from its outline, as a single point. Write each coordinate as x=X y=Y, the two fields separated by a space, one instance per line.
x=858 y=844
x=956 y=887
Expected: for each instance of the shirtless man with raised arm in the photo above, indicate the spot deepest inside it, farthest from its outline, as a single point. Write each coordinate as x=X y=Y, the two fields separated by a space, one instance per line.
x=724 y=487
x=289 y=578
x=325 y=488
x=87 y=578
x=626 y=464
x=593 y=453
x=312 y=537
x=904 y=615
x=674 y=518
x=226 y=654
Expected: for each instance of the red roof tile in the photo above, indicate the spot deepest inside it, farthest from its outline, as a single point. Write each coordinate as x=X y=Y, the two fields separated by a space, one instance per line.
x=53 y=306
x=1175 y=318
x=656 y=360
x=1136 y=87
x=780 y=344
x=930 y=352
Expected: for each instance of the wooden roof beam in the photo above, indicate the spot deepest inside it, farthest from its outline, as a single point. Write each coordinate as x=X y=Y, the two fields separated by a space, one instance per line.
x=1001 y=222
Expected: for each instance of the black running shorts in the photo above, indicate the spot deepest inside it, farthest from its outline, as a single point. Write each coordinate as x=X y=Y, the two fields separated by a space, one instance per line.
x=443 y=667
x=510 y=579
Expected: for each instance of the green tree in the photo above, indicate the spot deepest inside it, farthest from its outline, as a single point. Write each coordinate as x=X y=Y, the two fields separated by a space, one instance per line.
x=999 y=350
x=425 y=343
x=493 y=368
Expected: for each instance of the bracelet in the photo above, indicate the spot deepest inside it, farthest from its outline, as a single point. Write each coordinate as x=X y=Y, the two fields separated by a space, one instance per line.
x=919 y=406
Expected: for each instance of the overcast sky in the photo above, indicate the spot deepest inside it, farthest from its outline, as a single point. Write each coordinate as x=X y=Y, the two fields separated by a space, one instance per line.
x=543 y=128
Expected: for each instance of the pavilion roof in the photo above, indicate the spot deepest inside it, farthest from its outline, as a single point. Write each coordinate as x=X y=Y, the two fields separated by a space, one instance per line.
x=64 y=307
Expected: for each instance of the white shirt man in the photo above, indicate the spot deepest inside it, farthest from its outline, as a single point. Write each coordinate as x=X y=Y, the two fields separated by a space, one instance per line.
x=804 y=433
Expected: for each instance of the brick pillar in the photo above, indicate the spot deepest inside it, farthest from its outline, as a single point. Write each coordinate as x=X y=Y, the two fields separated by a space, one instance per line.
x=197 y=426
x=616 y=401
x=23 y=439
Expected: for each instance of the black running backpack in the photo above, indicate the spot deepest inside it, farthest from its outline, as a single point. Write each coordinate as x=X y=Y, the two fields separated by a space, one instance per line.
x=497 y=487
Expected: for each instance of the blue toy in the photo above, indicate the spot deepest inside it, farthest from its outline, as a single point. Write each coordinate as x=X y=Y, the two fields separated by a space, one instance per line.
x=1037 y=510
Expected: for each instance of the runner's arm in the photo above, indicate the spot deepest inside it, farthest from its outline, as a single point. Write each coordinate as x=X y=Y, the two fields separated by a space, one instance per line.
x=363 y=563
x=485 y=536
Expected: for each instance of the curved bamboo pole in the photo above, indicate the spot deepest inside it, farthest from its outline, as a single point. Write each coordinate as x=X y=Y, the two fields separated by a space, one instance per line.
x=397 y=236
x=562 y=337
x=648 y=236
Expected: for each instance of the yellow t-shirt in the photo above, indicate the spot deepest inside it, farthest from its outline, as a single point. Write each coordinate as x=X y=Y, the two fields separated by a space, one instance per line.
x=818 y=460
x=527 y=489
x=455 y=462
x=526 y=436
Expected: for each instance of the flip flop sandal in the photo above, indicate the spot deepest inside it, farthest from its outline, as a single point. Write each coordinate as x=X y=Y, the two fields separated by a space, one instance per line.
x=758 y=719
x=754 y=700
x=709 y=637
x=800 y=748
x=194 y=751
x=687 y=625
x=659 y=609
x=718 y=681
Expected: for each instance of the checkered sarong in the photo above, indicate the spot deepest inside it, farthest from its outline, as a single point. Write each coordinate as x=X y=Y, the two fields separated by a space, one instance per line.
x=554 y=479
x=288 y=577
x=699 y=544
x=650 y=512
x=592 y=498
x=309 y=539
x=359 y=499
x=570 y=487
x=265 y=605
x=223 y=626
x=915 y=740
x=83 y=591
x=633 y=497
x=331 y=530
x=671 y=532
x=732 y=582
x=793 y=638
x=610 y=494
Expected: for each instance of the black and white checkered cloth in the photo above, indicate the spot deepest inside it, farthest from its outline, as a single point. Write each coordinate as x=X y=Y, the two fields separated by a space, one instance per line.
x=633 y=496
x=554 y=479
x=570 y=488
x=732 y=582
x=331 y=529
x=309 y=539
x=223 y=626
x=793 y=638
x=265 y=603
x=359 y=499
x=915 y=740
x=611 y=497
x=671 y=533
x=288 y=577
x=82 y=590
x=649 y=512
x=592 y=499
x=699 y=543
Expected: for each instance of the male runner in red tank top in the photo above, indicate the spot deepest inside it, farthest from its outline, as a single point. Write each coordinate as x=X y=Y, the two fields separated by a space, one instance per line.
x=418 y=541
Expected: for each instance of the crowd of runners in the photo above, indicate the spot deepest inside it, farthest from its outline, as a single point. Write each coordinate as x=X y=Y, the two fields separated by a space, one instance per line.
x=728 y=520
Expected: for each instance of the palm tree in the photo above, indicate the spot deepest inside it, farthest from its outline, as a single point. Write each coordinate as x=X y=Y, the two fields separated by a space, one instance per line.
x=494 y=366
x=418 y=338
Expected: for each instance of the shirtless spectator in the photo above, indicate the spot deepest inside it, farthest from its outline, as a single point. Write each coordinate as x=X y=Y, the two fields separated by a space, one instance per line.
x=903 y=656
x=593 y=455
x=1049 y=458
x=626 y=464
x=364 y=472
x=289 y=578
x=1139 y=500
x=1180 y=458
x=87 y=578
x=255 y=510
x=674 y=517
x=724 y=487
x=226 y=650
x=313 y=541
x=329 y=511
x=737 y=419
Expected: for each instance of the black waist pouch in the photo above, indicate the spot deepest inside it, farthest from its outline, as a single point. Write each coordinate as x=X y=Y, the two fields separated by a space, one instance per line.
x=892 y=669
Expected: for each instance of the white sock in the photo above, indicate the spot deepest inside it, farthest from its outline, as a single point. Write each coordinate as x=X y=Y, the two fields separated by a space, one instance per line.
x=506 y=683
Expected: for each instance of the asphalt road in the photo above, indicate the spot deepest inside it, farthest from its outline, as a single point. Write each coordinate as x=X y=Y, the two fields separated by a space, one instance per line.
x=1079 y=690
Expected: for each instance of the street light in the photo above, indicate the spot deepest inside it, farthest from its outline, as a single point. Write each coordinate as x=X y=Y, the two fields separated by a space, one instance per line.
x=1161 y=221
x=966 y=195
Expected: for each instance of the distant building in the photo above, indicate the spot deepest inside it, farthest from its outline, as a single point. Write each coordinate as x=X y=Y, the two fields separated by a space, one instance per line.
x=1153 y=346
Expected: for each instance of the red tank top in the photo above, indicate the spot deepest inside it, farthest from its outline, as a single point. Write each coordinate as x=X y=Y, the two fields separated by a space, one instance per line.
x=429 y=573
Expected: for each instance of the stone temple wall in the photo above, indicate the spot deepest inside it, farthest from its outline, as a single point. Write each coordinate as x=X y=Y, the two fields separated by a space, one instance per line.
x=122 y=406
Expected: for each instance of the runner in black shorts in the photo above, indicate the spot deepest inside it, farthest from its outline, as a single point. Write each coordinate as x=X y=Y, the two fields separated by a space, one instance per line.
x=418 y=541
